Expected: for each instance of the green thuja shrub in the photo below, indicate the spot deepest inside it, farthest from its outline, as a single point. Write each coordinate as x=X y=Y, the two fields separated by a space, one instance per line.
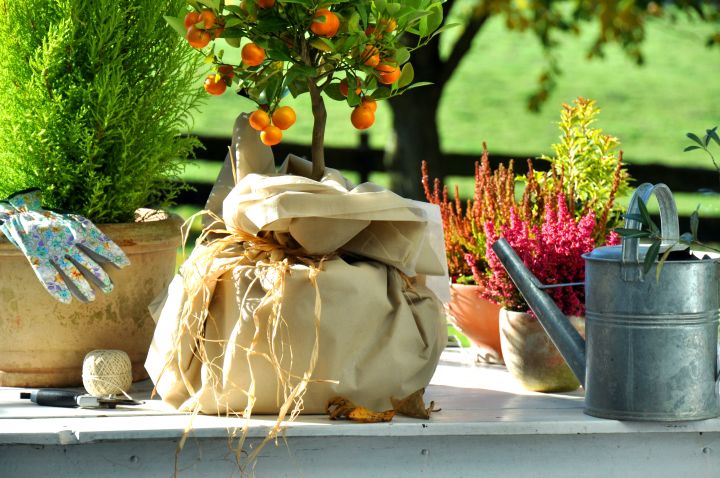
x=589 y=162
x=95 y=97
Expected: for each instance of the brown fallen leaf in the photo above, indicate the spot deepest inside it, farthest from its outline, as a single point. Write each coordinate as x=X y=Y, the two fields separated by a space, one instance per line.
x=363 y=415
x=340 y=407
x=413 y=405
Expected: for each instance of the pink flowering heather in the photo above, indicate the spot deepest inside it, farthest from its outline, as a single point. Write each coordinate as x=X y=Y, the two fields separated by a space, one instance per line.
x=551 y=250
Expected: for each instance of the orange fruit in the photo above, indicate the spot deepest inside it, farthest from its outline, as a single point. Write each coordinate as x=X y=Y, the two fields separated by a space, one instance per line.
x=217 y=32
x=252 y=54
x=388 y=74
x=271 y=135
x=344 y=86
x=325 y=23
x=362 y=117
x=259 y=120
x=214 y=87
x=370 y=56
x=208 y=18
x=265 y=3
x=284 y=117
x=197 y=38
x=191 y=19
x=369 y=103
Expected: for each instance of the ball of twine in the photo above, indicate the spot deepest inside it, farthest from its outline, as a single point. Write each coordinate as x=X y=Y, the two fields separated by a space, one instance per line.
x=107 y=372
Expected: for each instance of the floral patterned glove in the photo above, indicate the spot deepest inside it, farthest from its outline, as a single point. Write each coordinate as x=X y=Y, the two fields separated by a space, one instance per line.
x=63 y=249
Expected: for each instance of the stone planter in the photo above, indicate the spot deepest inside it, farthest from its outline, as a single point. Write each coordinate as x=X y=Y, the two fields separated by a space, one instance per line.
x=476 y=317
x=531 y=357
x=43 y=341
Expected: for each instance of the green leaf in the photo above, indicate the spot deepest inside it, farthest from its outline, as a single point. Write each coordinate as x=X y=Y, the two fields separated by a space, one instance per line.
x=695 y=222
x=664 y=257
x=647 y=219
x=695 y=138
x=691 y=148
x=178 y=24
x=630 y=233
x=233 y=42
x=714 y=135
x=651 y=256
x=402 y=55
x=333 y=91
x=382 y=93
x=214 y=4
x=406 y=75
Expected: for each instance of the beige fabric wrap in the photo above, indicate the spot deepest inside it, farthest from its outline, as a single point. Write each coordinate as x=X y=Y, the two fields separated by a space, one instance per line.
x=380 y=335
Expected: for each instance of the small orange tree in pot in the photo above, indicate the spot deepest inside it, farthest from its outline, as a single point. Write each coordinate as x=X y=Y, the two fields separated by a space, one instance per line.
x=314 y=47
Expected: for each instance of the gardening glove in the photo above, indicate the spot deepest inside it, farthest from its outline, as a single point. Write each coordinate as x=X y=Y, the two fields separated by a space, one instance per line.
x=63 y=249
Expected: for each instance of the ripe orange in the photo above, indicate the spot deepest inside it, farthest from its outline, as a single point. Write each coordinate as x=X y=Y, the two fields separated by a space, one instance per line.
x=208 y=18
x=388 y=74
x=252 y=54
x=197 y=38
x=284 y=117
x=344 y=86
x=191 y=19
x=217 y=32
x=266 y=3
x=214 y=87
x=325 y=23
x=369 y=103
x=370 y=56
x=271 y=135
x=259 y=120
x=362 y=117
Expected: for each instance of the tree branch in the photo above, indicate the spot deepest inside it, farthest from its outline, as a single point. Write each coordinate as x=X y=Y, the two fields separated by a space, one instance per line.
x=462 y=45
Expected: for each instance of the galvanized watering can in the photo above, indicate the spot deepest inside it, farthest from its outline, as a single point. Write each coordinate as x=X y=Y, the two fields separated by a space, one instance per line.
x=652 y=345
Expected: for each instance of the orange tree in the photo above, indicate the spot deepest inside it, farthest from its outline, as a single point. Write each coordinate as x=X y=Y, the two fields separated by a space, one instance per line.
x=313 y=47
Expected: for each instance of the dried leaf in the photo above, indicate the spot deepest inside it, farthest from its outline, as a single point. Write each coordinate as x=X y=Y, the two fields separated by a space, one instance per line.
x=363 y=415
x=413 y=405
x=340 y=407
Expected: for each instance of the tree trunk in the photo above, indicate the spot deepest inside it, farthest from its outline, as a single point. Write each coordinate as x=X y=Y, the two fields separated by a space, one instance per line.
x=415 y=137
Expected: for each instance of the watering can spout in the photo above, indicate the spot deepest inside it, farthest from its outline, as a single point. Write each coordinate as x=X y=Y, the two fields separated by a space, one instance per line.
x=568 y=341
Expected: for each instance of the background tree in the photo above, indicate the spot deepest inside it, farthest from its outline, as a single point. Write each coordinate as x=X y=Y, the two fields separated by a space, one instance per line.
x=416 y=137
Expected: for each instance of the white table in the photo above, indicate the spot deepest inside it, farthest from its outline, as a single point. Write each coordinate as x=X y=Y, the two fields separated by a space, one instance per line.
x=488 y=427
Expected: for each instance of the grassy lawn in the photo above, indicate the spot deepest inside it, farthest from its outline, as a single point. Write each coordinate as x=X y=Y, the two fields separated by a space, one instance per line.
x=649 y=108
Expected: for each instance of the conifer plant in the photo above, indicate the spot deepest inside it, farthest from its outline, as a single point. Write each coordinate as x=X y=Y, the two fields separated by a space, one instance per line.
x=95 y=96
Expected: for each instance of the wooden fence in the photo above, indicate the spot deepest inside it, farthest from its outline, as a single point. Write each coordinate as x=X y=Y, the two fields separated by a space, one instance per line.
x=366 y=160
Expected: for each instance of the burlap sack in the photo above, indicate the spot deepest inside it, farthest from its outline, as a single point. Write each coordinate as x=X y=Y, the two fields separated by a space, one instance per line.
x=251 y=324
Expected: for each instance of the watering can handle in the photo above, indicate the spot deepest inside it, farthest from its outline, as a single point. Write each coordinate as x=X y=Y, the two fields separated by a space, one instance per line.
x=669 y=229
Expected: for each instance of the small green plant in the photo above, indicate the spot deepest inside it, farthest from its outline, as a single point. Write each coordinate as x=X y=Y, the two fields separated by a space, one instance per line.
x=704 y=144
x=650 y=231
x=95 y=96
x=588 y=160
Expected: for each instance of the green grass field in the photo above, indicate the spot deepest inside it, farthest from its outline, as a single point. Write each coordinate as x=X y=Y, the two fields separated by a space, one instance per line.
x=649 y=108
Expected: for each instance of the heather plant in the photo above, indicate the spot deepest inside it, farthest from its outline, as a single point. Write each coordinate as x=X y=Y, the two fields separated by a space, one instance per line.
x=95 y=98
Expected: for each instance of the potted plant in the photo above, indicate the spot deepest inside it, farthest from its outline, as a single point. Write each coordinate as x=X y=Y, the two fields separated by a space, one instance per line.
x=342 y=50
x=95 y=100
x=549 y=223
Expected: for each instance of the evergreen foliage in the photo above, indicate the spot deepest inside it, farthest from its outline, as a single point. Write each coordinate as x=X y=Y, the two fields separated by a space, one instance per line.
x=95 y=97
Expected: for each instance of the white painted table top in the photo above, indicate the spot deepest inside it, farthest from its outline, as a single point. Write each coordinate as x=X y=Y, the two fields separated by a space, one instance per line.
x=475 y=400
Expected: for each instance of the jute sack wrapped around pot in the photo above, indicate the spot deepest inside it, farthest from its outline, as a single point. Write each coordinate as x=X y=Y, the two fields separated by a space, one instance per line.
x=308 y=291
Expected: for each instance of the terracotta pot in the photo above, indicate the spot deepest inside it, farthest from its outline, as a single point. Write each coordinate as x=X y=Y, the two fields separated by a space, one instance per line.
x=531 y=357
x=43 y=342
x=476 y=317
